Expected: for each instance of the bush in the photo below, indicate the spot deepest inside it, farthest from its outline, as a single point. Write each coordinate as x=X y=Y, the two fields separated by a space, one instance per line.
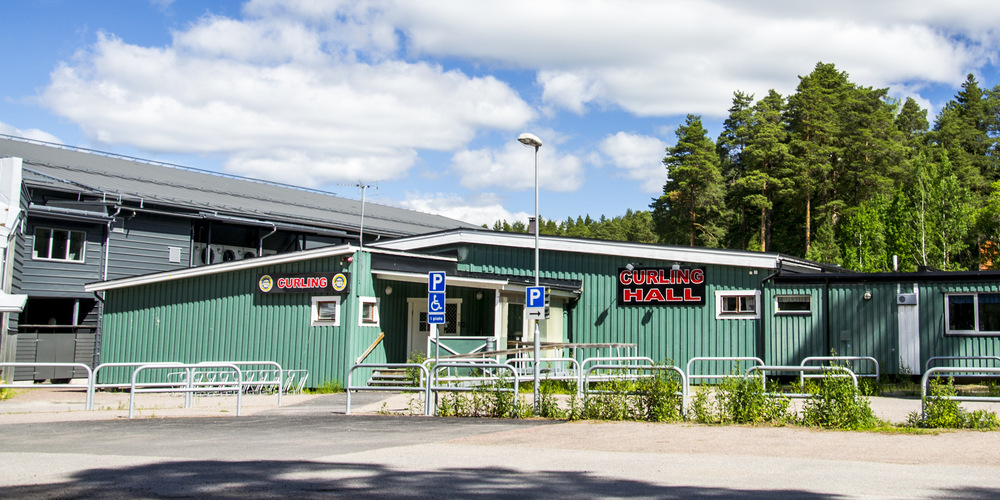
x=942 y=412
x=653 y=398
x=739 y=400
x=491 y=401
x=836 y=403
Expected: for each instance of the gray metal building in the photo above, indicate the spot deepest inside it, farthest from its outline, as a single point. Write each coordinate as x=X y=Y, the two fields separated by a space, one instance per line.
x=86 y=216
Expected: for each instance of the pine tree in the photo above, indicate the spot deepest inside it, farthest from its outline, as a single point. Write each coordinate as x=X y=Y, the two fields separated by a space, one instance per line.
x=691 y=210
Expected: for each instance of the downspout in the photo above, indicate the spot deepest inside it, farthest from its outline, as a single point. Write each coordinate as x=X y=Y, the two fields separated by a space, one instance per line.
x=760 y=321
x=260 y=242
x=99 y=332
x=826 y=315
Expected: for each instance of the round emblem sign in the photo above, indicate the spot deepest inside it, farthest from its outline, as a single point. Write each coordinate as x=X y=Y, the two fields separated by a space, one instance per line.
x=339 y=282
x=265 y=283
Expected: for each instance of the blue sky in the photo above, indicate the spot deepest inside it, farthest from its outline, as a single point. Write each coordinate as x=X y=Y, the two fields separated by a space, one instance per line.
x=425 y=99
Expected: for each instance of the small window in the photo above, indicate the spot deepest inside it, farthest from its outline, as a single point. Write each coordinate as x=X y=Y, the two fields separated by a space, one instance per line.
x=58 y=244
x=737 y=304
x=973 y=313
x=793 y=304
x=368 y=311
x=326 y=311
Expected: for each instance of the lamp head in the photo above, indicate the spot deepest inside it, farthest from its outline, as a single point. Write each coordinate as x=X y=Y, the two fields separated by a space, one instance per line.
x=530 y=140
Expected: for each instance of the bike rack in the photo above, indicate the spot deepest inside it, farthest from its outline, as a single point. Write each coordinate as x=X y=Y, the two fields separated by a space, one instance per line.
x=433 y=385
x=190 y=386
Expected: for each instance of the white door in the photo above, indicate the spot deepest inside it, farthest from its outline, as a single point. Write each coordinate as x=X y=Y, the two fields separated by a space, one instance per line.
x=909 y=335
x=418 y=329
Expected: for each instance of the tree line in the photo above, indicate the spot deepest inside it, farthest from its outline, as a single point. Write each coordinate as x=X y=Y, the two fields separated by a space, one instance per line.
x=837 y=173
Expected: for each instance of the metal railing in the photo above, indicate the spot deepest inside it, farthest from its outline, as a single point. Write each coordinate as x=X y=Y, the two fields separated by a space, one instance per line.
x=88 y=403
x=803 y=376
x=190 y=387
x=572 y=373
x=424 y=383
x=927 y=365
x=779 y=368
x=684 y=380
x=691 y=361
x=471 y=382
x=954 y=369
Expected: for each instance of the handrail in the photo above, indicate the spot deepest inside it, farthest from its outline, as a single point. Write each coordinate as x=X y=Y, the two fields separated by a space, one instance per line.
x=575 y=372
x=370 y=348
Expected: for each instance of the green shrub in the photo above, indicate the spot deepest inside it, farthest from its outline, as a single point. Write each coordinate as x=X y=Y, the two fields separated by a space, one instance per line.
x=484 y=401
x=327 y=387
x=836 y=403
x=942 y=412
x=739 y=400
x=653 y=398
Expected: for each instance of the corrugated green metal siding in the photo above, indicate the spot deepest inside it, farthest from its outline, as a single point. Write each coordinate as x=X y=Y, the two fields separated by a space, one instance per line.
x=789 y=338
x=933 y=341
x=221 y=318
x=674 y=333
x=860 y=327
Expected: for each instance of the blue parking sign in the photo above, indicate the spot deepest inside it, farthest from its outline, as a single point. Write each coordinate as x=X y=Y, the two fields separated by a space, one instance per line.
x=435 y=281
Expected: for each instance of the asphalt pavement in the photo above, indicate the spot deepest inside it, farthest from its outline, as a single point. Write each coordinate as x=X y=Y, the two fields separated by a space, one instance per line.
x=308 y=448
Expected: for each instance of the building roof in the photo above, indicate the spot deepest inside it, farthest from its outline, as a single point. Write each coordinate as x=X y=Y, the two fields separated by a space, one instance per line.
x=135 y=181
x=629 y=252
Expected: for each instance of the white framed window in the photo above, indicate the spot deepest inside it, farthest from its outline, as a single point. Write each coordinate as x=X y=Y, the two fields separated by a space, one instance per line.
x=972 y=313
x=59 y=244
x=368 y=311
x=326 y=311
x=793 y=304
x=737 y=304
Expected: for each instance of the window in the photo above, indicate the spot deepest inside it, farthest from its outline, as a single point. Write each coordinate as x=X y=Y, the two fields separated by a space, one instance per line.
x=972 y=313
x=737 y=304
x=58 y=244
x=367 y=311
x=793 y=304
x=326 y=311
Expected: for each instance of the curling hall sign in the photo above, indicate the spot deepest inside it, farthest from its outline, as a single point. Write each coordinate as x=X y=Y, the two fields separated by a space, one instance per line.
x=661 y=286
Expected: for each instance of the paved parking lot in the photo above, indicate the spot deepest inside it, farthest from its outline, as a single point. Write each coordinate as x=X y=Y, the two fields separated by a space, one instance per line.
x=309 y=448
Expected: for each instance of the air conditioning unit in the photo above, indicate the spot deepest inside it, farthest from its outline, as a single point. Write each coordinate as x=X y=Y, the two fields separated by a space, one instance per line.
x=207 y=254
x=906 y=299
x=231 y=253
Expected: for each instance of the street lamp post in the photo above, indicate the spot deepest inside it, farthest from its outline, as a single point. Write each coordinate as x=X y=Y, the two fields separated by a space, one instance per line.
x=531 y=140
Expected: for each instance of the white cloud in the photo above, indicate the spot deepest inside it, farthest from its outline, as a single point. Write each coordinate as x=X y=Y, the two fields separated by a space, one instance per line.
x=32 y=133
x=486 y=208
x=638 y=157
x=655 y=58
x=513 y=168
x=269 y=95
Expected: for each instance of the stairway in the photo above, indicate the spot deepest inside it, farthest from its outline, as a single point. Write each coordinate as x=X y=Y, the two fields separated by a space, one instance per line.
x=395 y=377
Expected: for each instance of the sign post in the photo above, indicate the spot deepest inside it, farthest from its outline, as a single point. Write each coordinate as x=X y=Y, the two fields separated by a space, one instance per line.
x=435 y=307
x=535 y=308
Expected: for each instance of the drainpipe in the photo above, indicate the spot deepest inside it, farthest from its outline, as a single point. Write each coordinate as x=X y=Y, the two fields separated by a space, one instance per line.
x=826 y=314
x=260 y=242
x=99 y=332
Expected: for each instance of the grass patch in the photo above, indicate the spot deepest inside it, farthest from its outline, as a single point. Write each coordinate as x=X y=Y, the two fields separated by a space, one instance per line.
x=327 y=387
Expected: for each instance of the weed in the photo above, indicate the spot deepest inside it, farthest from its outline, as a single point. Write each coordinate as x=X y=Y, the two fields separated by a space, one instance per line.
x=942 y=412
x=7 y=393
x=651 y=398
x=327 y=387
x=837 y=403
x=740 y=400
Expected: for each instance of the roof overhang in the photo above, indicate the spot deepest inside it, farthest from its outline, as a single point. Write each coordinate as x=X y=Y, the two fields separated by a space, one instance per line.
x=500 y=283
x=625 y=250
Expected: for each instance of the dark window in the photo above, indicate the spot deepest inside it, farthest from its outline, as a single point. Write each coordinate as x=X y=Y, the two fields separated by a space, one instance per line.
x=793 y=304
x=58 y=244
x=972 y=313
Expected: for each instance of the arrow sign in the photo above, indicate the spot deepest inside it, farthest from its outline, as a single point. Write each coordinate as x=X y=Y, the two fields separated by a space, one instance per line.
x=534 y=300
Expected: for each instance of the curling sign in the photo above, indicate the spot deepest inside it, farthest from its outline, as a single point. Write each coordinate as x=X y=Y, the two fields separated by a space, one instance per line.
x=661 y=286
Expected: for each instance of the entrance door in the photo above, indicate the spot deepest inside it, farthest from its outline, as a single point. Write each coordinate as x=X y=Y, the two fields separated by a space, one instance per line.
x=418 y=329
x=909 y=336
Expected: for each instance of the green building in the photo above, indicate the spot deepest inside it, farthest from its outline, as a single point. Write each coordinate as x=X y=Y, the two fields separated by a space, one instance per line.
x=322 y=310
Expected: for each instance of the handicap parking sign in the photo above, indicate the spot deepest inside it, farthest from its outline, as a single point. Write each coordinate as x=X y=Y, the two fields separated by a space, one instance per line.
x=435 y=298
